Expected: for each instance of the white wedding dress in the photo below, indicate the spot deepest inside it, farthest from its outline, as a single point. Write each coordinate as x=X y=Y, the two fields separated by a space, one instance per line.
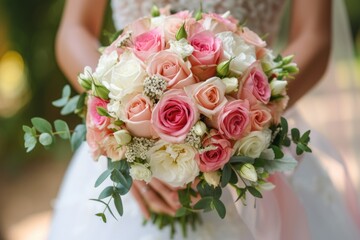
x=314 y=207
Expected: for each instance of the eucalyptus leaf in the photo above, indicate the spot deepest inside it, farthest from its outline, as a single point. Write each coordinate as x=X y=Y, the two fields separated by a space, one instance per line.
x=102 y=216
x=62 y=128
x=45 y=139
x=119 y=177
x=118 y=204
x=70 y=105
x=102 y=177
x=241 y=159
x=30 y=142
x=78 y=136
x=42 y=125
x=107 y=192
x=60 y=102
x=204 y=203
x=287 y=163
x=27 y=129
x=181 y=212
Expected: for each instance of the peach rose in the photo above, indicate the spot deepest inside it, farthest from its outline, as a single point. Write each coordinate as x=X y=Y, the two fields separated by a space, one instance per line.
x=277 y=108
x=94 y=138
x=252 y=38
x=256 y=83
x=260 y=117
x=172 y=68
x=137 y=116
x=112 y=149
x=233 y=121
x=214 y=159
x=218 y=23
x=209 y=96
x=206 y=54
x=174 y=115
x=149 y=43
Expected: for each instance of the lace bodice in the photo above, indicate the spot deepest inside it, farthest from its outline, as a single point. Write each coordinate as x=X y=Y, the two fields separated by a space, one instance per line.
x=261 y=16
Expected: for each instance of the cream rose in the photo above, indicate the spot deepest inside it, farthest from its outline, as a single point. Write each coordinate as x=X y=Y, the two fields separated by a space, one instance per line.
x=140 y=172
x=127 y=77
x=243 y=53
x=173 y=164
x=253 y=144
x=212 y=178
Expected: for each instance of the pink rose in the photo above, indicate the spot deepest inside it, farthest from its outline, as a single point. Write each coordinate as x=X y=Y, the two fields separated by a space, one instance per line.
x=94 y=138
x=209 y=96
x=256 y=83
x=206 y=54
x=233 y=121
x=149 y=43
x=95 y=119
x=174 y=115
x=138 y=116
x=260 y=117
x=252 y=38
x=217 y=23
x=214 y=159
x=172 y=25
x=172 y=68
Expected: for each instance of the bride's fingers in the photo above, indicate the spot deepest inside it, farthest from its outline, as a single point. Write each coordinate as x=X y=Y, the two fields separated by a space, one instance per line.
x=169 y=194
x=153 y=200
x=135 y=190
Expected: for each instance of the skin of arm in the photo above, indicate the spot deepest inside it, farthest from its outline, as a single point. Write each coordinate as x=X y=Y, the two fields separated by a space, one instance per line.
x=310 y=42
x=77 y=39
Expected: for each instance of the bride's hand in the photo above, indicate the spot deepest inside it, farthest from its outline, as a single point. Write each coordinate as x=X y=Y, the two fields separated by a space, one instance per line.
x=155 y=196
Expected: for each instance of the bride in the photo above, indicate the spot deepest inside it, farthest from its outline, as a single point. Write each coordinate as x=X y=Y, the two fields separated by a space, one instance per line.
x=307 y=204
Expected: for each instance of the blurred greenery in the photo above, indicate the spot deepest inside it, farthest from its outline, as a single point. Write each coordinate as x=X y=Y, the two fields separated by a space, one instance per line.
x=29 y=28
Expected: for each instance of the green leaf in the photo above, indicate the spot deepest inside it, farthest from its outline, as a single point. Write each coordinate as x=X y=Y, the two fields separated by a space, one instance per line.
x=60 y=102
x=278 y=58
x=80 y=103
x=284 y=125
x=286 y=142
x=233 y=178
x=287 y=163
x=102 y=215
x=27 y=129
x=118 y=204
x=45 y=139
x=63 y=129
x=66 y=91
x=107 y=192
x=254 y=192
x=277 y=151
x=41 y=125
x=120 y=189
x=181 y=212
x=299 y=151
x=102 y=177
x=303 y=147
x=70 y=105
x=240 y=192
x=204 y=203
x=181 y=33
x=102 y=111
x=241 y=159
x=220 y=207
x=226 y=175
x=305 y=138
x=184 y=197
x=118 y=177
x=295 y=135
x=78 y=136
x=30 y=142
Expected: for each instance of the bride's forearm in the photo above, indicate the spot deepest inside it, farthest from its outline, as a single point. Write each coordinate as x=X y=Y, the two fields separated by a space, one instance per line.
x=310 y=42
x=77 y=39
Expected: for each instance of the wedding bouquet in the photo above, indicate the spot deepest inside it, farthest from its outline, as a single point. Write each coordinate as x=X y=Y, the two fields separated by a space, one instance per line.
x=182 y=98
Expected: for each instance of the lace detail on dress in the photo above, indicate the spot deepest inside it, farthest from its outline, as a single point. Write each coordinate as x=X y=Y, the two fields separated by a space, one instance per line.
x=260 y=15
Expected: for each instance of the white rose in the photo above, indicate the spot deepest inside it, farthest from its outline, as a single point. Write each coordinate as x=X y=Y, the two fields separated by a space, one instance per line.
x=140 y=172
x=122 y=137
x=200 y=128
x=277 y=86
x=248 y=172
x=253 y=144
x=181 y=47
x=212 y=178
x=157 y=21
x=114 y=108
x=105 y=65
x=234 y=46
x=266 y=186
x=173 y=164
x=232 y=84
x=267 y=60
x=127 y=77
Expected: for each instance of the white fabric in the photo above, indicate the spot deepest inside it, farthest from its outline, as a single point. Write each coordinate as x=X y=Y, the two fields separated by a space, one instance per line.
x=319 y=181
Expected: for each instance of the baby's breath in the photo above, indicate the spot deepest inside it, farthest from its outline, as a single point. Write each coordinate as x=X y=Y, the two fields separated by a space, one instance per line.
x=193 y=139
x=154 y=87
x=137 y=148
